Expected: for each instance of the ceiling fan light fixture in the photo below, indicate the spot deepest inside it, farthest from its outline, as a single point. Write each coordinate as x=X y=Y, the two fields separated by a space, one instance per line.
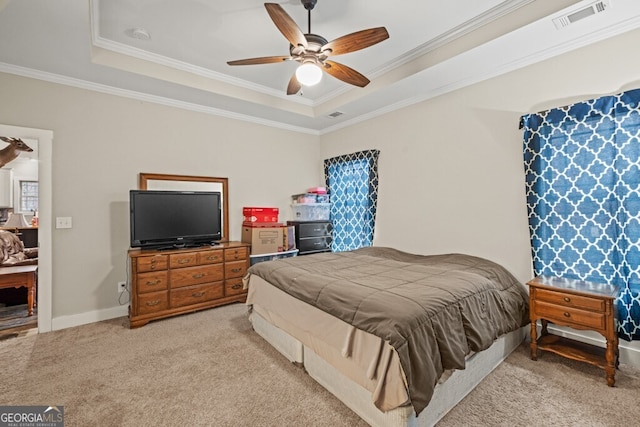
x=308 y=74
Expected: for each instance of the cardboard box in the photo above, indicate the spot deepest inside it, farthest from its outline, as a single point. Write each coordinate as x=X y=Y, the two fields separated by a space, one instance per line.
x=253 y=214
x=263 y=240
x=289 y=238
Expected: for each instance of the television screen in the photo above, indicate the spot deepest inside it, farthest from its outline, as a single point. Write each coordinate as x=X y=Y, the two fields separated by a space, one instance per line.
x=174 y=218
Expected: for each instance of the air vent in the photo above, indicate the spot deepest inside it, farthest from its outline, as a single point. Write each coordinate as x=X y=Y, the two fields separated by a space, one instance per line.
x=336 y=114
x=585 y=12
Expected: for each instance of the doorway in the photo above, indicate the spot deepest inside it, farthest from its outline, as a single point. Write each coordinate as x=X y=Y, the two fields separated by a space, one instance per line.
x=44 y=141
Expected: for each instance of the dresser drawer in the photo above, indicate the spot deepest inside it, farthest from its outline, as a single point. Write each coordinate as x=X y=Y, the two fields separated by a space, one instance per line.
x=195 y=275
x=570 y=316
x=152 y=281
x=153 y=302
x=233 y=287
x=314 y=229
x=315 y=244
x=235 y=269
x=568 y=300
x=211 y=257
x=183 y=260
x=236 y=254
x=190 y=295
x=152 y=263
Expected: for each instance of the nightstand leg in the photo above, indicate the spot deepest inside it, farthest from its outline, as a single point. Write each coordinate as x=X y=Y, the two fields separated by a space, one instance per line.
x=611 y=358
x=534 y=340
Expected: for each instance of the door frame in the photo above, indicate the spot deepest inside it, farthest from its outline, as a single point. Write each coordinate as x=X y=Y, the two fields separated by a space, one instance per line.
x=45 y=198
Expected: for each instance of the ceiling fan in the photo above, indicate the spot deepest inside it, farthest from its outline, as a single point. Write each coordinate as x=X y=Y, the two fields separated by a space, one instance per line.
x=312 y=51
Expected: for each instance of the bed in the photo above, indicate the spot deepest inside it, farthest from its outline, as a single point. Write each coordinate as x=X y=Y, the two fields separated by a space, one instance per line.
x=399 y=338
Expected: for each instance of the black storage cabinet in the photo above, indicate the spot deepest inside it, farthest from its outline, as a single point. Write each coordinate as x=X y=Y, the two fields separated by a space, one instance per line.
x=312 y=236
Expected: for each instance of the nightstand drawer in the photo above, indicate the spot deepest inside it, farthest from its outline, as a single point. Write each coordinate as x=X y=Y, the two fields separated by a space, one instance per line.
x=570 y=316
x=568 y=300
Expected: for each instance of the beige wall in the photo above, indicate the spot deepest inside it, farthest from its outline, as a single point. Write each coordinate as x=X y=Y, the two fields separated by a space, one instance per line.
x=101 y=143
x=451 y=168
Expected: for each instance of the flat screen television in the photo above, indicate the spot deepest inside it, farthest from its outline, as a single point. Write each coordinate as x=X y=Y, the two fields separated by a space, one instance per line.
x=171 y=219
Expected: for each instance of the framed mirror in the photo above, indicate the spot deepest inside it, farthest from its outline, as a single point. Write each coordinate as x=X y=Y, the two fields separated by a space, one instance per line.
x=156 y=181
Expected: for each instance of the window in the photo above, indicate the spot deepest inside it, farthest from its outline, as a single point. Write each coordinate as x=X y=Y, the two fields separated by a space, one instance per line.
x=583 y=196
x=28 y=196
x=352 y=181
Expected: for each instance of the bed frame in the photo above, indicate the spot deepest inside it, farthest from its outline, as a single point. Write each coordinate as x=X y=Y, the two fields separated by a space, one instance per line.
x=447 y=394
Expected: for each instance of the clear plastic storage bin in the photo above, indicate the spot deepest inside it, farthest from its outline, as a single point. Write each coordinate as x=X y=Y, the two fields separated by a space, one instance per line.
x=311 y=211
x=255 y=259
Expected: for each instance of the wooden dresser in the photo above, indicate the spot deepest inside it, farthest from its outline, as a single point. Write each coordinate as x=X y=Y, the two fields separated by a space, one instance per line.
x=170 y=282
x=579 y=305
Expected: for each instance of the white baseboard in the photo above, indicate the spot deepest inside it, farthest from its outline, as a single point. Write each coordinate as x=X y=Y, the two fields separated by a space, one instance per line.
x=64 y=322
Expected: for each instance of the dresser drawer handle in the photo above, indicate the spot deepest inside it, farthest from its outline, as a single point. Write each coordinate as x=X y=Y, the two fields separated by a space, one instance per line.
x=567 y=314
x=212 y=257
x=567 y=299
x=236 y=270
x=238 y=286
x=198 y=294
x=198 y=276
x=153 y=267
x=152 y=303
x=157 y=282
x=184 y=261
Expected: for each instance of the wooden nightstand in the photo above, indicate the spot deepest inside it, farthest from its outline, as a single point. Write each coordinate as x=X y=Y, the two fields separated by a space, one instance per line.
x=579 y=305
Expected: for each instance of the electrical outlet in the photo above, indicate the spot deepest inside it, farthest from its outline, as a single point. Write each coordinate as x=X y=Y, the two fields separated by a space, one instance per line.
x=122 y=286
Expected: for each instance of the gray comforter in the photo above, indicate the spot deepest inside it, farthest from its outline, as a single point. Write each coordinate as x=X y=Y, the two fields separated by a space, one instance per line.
x=433 y=309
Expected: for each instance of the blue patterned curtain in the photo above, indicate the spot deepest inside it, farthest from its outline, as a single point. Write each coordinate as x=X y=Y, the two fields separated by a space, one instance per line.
x=352 y=182
x=582 y=166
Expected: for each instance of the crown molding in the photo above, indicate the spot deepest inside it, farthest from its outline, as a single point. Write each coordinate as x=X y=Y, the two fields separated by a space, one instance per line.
x=126 y=93
x=499 y=69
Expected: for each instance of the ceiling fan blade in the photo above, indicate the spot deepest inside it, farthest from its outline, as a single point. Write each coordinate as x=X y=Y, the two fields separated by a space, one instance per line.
x=262 y=60
x=346 y=74
x=294 y=85
x=355 y=41
x=286 y=25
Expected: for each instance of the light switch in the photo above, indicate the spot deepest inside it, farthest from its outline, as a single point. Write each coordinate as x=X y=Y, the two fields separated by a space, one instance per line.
x=63 y=222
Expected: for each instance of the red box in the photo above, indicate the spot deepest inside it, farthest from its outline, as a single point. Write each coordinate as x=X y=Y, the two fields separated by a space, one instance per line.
x=252 y=214
x=317 y=190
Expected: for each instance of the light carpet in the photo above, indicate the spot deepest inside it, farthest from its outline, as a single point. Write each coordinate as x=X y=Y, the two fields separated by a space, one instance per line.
x=210 y=369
